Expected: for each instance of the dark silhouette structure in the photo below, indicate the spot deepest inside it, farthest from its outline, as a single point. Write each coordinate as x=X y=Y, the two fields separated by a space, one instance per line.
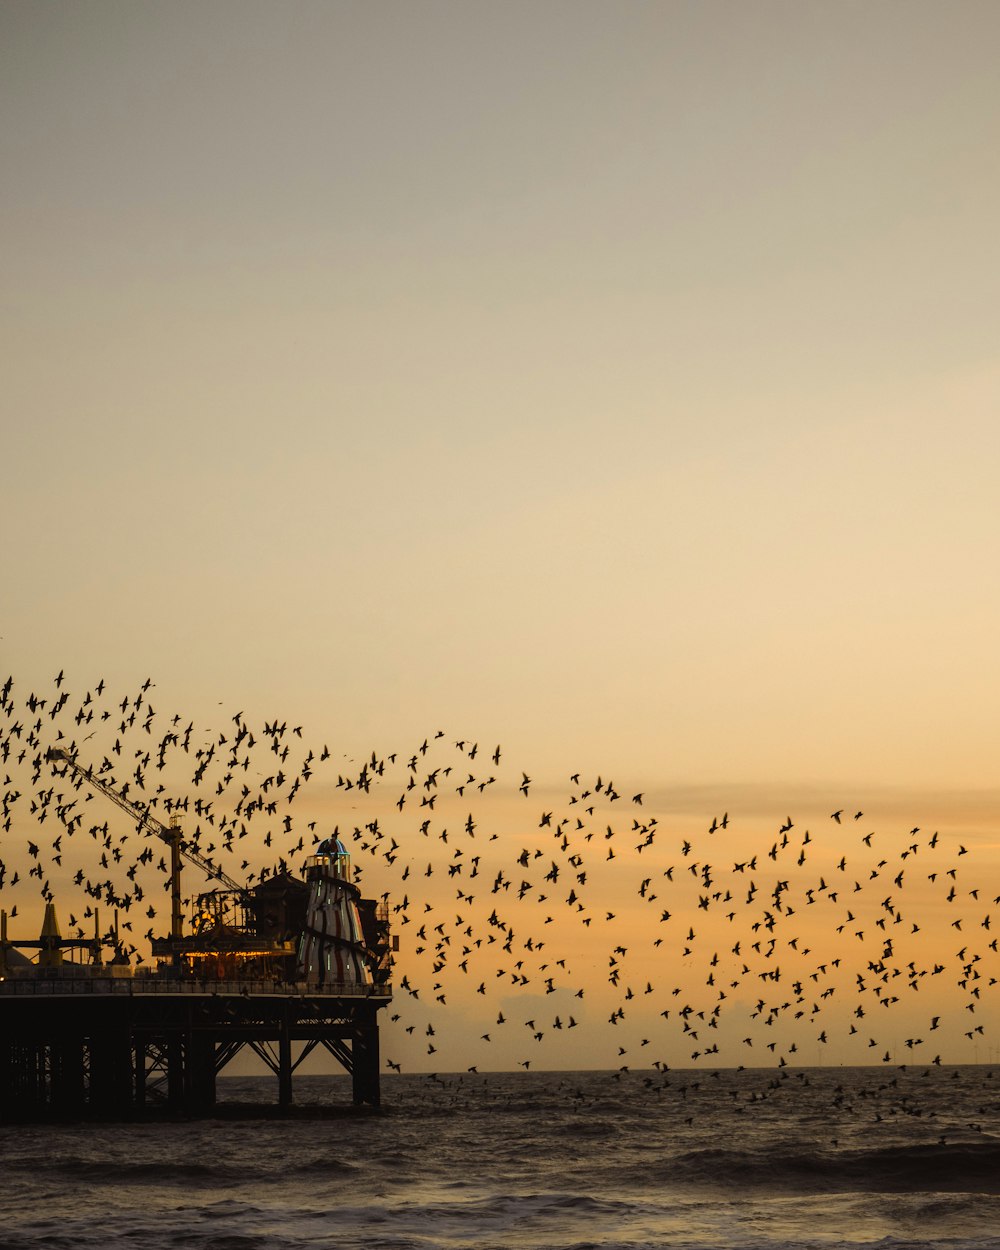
x=281 y=968
x=119 y=1046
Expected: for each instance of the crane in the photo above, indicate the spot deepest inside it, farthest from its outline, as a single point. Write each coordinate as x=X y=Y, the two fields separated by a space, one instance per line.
x=145 y=823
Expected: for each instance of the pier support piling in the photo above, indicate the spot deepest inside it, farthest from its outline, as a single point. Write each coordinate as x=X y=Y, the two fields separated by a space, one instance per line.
x=117 y=1052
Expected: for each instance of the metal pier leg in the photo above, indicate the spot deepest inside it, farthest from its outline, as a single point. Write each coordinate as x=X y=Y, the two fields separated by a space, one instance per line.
x=111 y=1073
x=365 y=1049
x=139 y=1053
x=201 y=1064
x=284 y=1067
x=6 y=1068
x=67 y=1092
x=175 y=1071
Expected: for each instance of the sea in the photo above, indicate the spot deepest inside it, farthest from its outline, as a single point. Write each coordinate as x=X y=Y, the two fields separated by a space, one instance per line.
x=895 y=1158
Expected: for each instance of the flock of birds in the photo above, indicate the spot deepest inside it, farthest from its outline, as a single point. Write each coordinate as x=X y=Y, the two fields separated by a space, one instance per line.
x=537 y=927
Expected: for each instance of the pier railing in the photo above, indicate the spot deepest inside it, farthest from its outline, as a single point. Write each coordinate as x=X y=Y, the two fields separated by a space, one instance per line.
x=130 y=986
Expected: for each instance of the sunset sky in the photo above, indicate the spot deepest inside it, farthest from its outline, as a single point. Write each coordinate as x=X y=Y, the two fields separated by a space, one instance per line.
x=617 y=383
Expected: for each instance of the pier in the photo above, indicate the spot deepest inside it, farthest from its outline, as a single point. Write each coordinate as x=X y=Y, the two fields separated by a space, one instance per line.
x=121 y=1047
x=279 y=968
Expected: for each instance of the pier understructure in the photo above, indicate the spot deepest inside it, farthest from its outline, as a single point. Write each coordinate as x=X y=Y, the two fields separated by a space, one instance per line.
x=116 y=1047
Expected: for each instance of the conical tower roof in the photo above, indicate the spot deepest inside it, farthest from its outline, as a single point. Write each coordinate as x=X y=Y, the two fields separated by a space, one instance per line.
x=50 y=956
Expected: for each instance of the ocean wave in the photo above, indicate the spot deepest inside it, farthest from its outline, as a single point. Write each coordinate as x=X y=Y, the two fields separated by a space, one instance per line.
x=336 y=1165
x=962 y=1167
x=96 y=1171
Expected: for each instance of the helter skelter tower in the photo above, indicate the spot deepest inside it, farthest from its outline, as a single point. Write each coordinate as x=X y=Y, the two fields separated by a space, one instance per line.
x=332 y=949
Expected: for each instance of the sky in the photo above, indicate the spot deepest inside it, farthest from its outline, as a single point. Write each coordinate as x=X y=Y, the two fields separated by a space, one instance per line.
x=617 y=383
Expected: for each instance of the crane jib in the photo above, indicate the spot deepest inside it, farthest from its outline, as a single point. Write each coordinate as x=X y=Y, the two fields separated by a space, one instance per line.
x=144 y=821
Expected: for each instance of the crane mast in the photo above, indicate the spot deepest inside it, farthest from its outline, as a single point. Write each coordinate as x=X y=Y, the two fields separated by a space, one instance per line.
x=145 y=823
